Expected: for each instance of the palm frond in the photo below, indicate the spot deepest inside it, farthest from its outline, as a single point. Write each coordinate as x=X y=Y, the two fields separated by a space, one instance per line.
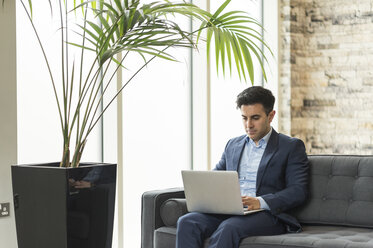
x=231 y=33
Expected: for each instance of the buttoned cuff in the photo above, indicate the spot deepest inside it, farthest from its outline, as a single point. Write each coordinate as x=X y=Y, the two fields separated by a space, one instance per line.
x=263 y=203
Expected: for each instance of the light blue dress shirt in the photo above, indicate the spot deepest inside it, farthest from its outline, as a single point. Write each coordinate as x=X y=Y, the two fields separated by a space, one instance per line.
x=248 y=167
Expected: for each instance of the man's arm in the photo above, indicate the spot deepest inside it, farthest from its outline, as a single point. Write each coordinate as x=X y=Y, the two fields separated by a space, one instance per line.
x=222 y=164
x=296 y=180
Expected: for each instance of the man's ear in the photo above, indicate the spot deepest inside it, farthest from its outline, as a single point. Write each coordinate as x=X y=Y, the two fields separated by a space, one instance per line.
x=271 y=115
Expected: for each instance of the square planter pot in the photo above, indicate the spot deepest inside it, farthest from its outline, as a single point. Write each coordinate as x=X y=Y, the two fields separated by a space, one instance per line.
x=64 y=207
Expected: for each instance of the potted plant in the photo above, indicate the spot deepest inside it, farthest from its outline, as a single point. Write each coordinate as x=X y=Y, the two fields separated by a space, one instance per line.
x=75 y=191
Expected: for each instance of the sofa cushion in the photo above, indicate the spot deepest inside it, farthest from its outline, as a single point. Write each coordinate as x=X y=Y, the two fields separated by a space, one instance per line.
x=316 y=236
x=341 y=191
x=312 y=236
x=171 y=210
x=166 y=237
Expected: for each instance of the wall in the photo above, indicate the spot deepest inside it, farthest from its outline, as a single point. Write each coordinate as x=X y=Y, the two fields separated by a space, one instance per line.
x=327 y=56
x=8 y=113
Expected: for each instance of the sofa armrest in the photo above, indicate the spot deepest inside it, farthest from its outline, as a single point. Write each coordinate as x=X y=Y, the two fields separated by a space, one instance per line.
x=150 y=212
x=172 y=210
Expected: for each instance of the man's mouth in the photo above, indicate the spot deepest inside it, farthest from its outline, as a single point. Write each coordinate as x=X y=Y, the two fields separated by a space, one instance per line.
x=251 y=132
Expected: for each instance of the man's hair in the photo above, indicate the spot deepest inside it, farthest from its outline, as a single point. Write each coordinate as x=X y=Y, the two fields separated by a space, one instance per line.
x=254 y=95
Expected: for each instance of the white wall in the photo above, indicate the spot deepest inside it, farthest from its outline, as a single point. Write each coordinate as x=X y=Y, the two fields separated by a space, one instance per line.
x=8 y=123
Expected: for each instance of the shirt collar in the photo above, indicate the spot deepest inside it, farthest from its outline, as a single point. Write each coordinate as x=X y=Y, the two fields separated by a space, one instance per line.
x=262 y=142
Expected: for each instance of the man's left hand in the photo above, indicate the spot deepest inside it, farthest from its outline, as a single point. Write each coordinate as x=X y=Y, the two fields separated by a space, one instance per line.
x=252 y=203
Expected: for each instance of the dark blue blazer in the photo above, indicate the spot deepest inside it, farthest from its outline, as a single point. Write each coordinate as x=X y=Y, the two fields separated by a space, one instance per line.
x=282 y=178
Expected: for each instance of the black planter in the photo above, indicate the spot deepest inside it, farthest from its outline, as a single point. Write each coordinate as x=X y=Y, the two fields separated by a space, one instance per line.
x=53 y=212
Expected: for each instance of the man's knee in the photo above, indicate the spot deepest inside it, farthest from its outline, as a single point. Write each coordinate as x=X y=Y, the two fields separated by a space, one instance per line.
x=236 y=228
x=189 y=231
x=227 y=235
x=182 y=221
x=197 y=223
x=187 y=221
x=228 y=227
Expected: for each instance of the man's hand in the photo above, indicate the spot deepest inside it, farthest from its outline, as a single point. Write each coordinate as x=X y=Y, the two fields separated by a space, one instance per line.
x=252 y=203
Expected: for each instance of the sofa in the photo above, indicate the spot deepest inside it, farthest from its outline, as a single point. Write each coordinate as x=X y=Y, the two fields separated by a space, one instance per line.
x=338 y=212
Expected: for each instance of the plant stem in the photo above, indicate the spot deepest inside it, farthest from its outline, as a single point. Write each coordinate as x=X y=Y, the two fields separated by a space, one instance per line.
x=65 y=162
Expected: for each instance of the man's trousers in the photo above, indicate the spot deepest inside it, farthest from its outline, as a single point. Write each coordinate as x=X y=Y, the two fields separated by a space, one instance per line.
x=224 y=231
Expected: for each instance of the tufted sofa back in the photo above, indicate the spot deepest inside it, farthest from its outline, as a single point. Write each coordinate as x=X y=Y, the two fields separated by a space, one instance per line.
x=341 y=191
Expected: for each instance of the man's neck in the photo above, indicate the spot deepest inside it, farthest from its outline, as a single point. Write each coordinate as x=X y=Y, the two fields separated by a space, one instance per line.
x=265 y=137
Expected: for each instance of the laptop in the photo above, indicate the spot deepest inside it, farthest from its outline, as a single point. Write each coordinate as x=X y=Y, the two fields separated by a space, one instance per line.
x=215 y=192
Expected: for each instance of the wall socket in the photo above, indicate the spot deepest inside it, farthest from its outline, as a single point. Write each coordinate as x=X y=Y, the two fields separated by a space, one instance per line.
x=4 y=209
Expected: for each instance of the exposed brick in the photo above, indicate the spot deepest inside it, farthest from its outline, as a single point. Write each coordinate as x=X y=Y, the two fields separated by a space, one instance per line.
x=318 y=102
x=326 y=77
x=328 y=46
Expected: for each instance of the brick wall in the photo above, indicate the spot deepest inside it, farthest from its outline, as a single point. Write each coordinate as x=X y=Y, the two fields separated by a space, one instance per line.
x=326 y=74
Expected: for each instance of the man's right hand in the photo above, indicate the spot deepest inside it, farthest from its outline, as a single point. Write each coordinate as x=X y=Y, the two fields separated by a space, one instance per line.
x=252 y=203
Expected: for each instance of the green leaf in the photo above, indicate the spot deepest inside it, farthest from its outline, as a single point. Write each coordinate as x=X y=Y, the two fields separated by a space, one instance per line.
x=91 y=34
x=81 y=46
x=30 y=5
x=228 y=47
x=222 y=49
x=118 y=4
x=208 y=40
x=255 y=50
x=220 y=9
x=95 y=27
x=239 y=57
x=229 y=15
x=247 y=58
x=217 y=46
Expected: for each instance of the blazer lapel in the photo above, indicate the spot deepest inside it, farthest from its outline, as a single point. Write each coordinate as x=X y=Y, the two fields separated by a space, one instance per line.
x=267 y=155
x=237 y=153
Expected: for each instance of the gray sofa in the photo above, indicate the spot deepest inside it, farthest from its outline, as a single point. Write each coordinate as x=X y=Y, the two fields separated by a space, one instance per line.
x=338 y=213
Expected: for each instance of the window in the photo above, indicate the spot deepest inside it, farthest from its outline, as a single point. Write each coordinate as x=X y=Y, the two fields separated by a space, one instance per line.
x=169 y=121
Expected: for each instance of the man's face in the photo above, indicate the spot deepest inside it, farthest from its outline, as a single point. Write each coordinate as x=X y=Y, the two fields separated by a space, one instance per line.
x=256 y=122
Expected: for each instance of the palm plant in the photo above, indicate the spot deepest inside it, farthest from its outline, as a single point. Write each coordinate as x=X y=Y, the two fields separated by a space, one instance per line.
x=112 y=27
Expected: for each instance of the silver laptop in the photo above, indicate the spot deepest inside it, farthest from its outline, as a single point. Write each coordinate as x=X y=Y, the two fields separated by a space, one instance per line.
x=216 y=192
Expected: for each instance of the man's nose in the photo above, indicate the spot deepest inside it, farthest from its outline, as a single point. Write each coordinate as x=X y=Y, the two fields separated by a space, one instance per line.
x=248 y=123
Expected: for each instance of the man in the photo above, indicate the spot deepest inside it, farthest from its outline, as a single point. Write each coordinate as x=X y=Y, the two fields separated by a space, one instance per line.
x=273 y=173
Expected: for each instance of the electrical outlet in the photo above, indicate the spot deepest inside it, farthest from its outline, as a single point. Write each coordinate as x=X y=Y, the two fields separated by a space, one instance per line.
x=4 y=209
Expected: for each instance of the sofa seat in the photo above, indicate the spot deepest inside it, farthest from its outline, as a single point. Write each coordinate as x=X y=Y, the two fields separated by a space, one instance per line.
x=317 y=236
x=312 y=236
